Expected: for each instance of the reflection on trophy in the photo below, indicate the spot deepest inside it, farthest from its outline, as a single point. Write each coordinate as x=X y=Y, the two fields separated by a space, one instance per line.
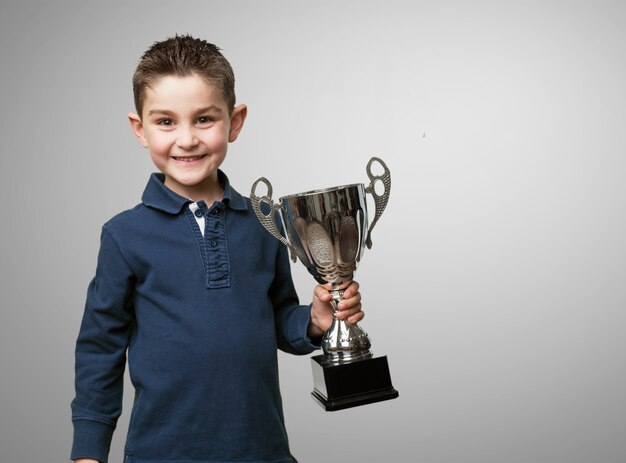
x=327 y=229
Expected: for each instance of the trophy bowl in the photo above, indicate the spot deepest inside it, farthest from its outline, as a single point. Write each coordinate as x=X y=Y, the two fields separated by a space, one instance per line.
x=327 y=229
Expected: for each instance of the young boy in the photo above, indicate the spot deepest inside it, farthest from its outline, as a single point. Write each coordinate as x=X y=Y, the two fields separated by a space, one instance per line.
x=192 y=286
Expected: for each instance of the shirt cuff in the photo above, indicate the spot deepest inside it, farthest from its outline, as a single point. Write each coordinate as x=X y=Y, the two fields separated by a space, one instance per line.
x=302 y=342
x=92 y=439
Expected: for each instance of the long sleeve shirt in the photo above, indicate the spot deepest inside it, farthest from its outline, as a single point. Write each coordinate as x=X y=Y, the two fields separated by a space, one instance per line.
x=200 y=314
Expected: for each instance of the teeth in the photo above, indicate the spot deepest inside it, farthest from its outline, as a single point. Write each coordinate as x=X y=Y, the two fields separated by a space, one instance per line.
x=189 y=158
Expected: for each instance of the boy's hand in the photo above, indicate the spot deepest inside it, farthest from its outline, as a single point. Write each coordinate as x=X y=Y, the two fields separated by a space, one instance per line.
x=322 y=311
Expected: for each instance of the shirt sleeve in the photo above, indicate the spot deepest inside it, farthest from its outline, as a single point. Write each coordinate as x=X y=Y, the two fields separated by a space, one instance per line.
x=292 y=320
x=101 y=353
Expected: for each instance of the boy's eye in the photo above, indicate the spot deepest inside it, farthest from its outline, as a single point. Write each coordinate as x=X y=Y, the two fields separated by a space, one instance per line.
x=166 y=122
x=205 y=119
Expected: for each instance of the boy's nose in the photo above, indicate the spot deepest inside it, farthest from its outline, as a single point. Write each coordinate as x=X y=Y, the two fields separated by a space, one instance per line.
x=186 y=138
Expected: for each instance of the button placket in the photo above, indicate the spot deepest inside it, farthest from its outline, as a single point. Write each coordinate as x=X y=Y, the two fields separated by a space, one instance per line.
x=218 y=262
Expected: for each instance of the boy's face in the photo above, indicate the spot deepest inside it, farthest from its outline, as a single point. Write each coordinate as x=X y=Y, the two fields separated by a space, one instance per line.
x=186 y=127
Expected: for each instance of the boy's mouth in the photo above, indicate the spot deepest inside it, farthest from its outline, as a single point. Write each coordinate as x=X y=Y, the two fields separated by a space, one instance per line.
x=188 y=158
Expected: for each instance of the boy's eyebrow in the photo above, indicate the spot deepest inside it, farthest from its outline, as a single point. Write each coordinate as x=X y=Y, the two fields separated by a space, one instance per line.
x=166 y=112
x=210 y=109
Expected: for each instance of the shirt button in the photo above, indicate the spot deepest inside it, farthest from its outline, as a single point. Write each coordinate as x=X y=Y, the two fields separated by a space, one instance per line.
x=213 y=243
x=198 y=213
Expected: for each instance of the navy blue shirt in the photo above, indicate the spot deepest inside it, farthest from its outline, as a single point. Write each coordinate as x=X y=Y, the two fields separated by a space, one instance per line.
x=201 y=318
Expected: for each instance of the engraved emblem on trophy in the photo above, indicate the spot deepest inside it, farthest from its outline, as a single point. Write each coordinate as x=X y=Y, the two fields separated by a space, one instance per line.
x=328 y=230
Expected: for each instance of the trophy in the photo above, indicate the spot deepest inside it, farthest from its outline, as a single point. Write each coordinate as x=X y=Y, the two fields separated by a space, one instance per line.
x=327 y=230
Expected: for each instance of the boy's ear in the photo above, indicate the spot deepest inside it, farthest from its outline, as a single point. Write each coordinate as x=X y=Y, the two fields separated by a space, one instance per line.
x=137 y=126
x=236 y=121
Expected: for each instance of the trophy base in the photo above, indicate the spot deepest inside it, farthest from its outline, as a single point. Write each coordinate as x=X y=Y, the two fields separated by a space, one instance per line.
x=336 y=387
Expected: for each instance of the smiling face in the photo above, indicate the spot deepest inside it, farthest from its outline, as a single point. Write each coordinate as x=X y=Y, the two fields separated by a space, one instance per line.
x=186 y=126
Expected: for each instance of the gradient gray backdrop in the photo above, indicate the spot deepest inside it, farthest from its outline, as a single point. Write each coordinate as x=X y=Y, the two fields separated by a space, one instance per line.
x=496 y=284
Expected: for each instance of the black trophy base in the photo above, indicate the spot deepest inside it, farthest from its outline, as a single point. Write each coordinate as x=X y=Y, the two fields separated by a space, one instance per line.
x=336 y=387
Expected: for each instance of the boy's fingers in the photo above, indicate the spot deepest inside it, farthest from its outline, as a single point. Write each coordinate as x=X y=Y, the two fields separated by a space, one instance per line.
x=351 y=293
x=356 y=318
x=352 y=316
x=349 y=312
x=350 y=302
x=351 y=290
x=322 y=293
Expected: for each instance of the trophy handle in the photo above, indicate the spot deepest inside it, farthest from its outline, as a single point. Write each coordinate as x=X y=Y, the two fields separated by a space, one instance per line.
x=269 y=220
x=380 y=201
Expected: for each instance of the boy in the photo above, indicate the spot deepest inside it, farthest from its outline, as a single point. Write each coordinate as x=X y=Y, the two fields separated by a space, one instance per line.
x=192 y=286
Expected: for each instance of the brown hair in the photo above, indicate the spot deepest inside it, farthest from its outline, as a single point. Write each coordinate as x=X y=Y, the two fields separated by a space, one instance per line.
x=182 y=56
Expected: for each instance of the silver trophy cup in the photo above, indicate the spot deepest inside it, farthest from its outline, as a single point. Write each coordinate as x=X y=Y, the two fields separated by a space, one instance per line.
x=328 y=230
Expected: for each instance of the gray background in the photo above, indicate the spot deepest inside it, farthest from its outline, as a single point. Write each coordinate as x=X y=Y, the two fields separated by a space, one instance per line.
x=496 y=281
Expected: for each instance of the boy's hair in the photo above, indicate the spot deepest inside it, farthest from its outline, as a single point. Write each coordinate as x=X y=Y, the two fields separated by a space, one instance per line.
x=182 y=56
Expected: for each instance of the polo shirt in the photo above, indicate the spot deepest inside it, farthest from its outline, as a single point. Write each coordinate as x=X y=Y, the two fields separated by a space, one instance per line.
x=199 y=315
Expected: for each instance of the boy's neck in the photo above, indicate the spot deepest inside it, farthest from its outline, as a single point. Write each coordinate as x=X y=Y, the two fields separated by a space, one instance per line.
x=209 y=190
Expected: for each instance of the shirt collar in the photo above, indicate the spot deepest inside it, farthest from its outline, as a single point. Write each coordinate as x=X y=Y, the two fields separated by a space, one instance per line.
x=158 y=196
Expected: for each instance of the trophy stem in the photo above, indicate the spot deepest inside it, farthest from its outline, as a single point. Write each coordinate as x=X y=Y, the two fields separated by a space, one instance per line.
x=344 y=342
x=337 y=297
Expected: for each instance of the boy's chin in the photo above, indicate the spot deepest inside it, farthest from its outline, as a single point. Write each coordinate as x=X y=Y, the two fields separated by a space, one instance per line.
x=192 y=182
